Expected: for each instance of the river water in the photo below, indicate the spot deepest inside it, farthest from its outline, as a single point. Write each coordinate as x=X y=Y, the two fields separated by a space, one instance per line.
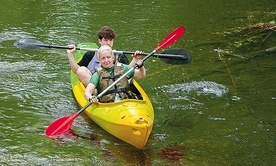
x=217 y=110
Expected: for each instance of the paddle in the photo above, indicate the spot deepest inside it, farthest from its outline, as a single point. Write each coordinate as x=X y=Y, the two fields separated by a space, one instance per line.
x=181 y=56
x=63 y=124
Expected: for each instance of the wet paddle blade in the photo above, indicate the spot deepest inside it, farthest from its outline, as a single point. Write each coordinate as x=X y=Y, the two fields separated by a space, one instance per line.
x=171 y=38
x=31 y=44
x=60 y=126
x=178 y=56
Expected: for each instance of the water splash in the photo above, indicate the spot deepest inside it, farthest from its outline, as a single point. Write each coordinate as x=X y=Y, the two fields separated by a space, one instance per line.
x=186 y=96
x=200 y=88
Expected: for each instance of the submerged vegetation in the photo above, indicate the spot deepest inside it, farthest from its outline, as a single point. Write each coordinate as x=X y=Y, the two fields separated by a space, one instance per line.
x=256 y=39
x=249 y=41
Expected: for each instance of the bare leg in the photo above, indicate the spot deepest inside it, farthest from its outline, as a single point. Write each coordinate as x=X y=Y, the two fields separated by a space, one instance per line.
x=84 y=75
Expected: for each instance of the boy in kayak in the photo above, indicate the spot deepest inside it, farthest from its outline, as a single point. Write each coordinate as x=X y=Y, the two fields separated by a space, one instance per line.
x=110 y=72
x=89 y=63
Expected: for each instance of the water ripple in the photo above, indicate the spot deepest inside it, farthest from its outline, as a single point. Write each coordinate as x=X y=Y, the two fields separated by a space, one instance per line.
x=200 y=88
x=185 y=96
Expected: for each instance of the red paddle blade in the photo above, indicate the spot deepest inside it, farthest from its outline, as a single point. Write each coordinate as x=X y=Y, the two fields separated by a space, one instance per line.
x=60 y=126
x=171 y=38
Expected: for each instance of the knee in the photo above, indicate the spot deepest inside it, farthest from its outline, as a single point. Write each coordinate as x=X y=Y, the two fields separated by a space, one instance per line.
x=82 y=71
x=84 y=75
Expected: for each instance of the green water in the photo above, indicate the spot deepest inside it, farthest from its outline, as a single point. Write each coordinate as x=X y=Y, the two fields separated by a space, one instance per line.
x=213 y=111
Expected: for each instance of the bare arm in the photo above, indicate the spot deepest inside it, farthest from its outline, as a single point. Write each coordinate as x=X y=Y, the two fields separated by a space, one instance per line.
x=132 y=63
x=72 y=62
x=139 y=72
x=88 y=92
x=136 y=56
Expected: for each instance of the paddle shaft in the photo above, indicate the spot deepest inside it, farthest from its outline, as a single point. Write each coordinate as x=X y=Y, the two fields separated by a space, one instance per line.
x=170 y=56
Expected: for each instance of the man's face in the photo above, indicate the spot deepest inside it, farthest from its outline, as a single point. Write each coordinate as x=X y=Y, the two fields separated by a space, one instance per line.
x=108 y=42
x=106 y=59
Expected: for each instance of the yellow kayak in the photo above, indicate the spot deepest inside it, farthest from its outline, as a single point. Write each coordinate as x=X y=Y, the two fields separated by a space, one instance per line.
x=130 y=120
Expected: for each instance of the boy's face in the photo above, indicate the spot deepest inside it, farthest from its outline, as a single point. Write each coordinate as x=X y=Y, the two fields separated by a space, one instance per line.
x=108 y=42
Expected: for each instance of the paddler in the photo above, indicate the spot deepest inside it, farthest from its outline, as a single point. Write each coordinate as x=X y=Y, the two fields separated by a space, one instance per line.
x=110 y=71
x=89 y=63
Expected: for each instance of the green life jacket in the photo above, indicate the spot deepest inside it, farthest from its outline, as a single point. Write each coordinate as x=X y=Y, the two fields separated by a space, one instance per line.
x=122 y=87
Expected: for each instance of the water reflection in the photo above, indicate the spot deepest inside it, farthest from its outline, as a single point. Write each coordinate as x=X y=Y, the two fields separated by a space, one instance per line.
x=112 y=148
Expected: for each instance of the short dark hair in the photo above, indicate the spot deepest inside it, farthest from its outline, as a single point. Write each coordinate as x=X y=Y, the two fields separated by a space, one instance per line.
x=106 y=32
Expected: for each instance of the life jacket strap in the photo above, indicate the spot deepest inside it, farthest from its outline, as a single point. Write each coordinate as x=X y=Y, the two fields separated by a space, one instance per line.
x=118 y=90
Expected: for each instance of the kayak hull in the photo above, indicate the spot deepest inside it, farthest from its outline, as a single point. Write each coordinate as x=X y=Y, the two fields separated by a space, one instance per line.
x=130 y=120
